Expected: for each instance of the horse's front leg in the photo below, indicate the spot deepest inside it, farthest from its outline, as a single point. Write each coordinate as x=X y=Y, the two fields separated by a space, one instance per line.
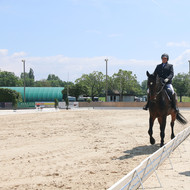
x=150 y=131
x=162 y=122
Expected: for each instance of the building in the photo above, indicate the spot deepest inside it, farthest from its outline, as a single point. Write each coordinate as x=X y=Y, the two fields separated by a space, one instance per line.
x=114 y=96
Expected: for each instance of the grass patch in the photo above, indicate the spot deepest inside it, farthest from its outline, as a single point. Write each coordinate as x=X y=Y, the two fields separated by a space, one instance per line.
x=184 y=99
x=103 y=99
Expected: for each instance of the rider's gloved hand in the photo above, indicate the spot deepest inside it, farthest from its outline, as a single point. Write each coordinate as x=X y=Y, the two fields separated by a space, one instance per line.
x=166 y=80
x=162 y=80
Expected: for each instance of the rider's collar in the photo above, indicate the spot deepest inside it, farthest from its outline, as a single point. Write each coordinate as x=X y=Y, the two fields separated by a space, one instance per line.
x=164 y=63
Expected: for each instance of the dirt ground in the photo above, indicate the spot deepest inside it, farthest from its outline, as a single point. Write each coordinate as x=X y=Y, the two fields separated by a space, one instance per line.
x=80 y=149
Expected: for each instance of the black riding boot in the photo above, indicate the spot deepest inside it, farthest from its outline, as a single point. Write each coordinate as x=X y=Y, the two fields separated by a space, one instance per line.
x=173 y=99
x=147 y=105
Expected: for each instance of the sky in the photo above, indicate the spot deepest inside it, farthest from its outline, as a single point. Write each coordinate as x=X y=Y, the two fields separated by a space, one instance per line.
x=69 y=38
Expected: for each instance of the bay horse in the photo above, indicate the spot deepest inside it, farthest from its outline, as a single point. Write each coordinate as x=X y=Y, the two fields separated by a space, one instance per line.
x=160 y=107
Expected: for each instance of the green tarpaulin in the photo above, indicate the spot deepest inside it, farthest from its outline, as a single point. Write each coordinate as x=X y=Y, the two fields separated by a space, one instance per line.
x=35 y=94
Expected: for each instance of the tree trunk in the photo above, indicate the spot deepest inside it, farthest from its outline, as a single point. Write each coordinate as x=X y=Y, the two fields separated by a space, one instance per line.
x=180 y=98
x=121 y=97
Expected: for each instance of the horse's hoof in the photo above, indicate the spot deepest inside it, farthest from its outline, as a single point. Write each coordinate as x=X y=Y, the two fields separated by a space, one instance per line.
x=172 y=136
x=152 y=140
x=161 y=144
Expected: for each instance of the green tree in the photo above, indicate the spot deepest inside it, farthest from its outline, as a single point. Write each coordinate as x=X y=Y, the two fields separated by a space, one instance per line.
x=31 y=74
x=181 y=83
x=9 y=79
x=29 y=78
x=126 y=83
x=42 y=83
x=55 y=81
x=144 y=87
x=77 y=89
x=53 y=77
x=8 y=95
x=56 y=102
x=65 y=93
x=94 y=83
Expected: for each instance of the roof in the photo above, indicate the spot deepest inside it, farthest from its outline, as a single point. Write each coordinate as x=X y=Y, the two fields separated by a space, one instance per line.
x=34 y=94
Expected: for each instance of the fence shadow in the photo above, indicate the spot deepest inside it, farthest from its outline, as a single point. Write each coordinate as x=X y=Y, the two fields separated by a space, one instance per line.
x=187 y=173
x=139 y=150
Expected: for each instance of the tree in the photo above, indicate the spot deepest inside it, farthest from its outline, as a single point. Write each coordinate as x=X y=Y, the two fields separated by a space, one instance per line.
x=77 y=90
x=126 y=83
x=94 y=83
x=31 y=74
x=55 y=81
x=144 y=87
x=181 y=83
x=56 y=102
x=9 y=79
x=65 y=93
x=29 y=78
x=42 y=83
x=8 y=95
x=53 y=77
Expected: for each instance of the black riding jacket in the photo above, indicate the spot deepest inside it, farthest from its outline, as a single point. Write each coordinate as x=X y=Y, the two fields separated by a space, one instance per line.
x=164 y=71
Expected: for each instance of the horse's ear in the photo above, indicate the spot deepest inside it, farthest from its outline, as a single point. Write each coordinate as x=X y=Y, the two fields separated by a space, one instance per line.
x=148 y=74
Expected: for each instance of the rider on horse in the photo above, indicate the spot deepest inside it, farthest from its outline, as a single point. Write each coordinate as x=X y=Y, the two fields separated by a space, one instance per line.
x=166 y=73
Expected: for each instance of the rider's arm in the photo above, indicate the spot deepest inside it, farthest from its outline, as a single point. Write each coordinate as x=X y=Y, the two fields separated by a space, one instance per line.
x=171 y=73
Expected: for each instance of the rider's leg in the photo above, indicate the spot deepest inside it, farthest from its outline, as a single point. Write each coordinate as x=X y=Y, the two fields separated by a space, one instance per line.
x=172 y=95
x=147 y=104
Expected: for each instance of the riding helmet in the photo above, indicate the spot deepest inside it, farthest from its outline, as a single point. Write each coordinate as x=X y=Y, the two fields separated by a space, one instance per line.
x=165 y=55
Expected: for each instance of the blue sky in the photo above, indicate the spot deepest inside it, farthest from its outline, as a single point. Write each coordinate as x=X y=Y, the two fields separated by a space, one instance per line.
x=75 y=36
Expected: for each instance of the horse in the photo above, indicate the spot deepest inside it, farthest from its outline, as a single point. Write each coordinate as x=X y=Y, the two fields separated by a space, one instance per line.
x=160 y=107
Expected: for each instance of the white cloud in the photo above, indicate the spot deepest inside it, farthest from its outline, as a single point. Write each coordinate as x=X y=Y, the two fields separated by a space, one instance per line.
x=183 y=58
x=3 y=52
x=62 y=65
x=19 y=54
x=178 y=44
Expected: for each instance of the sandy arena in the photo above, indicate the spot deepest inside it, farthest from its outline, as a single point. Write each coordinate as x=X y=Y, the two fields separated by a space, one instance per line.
x=83 y=149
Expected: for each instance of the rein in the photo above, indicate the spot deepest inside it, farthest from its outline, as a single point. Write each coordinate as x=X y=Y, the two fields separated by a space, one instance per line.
x=161 y=89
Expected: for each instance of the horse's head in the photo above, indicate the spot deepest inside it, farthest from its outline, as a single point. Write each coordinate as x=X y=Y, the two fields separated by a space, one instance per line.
x=151 y=84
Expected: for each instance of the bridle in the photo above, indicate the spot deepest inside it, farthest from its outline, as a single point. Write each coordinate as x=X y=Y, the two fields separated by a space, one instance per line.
x=157 y=93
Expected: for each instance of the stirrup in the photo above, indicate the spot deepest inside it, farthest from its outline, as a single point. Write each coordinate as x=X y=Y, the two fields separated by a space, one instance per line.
x=177 y=109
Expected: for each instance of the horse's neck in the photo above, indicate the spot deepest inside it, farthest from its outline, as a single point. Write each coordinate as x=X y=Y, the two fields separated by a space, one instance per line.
x=162 y=98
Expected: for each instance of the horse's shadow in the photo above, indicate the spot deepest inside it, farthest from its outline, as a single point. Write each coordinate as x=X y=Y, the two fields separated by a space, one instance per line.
x=139 y=150
x=187 y=173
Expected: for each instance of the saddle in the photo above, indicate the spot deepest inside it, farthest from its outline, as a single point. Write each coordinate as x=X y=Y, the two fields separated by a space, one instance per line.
x=169 y=94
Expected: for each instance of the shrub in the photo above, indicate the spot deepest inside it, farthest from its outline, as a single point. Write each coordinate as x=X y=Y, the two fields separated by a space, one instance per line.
x=88 y=100
x=67 y=103
x=8 y=95
x=56 y=102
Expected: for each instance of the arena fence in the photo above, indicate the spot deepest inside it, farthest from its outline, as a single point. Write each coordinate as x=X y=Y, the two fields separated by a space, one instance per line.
x=137 y=176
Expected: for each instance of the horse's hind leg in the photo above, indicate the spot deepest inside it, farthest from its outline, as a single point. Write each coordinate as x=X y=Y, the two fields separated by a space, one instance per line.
x=162 y=122
x=150 y=131
x=173 y=116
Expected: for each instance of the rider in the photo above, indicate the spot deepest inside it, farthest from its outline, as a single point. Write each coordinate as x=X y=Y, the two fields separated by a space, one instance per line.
x=165 y=71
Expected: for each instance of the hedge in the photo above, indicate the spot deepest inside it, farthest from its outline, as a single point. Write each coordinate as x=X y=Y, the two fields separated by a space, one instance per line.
x=8 y=95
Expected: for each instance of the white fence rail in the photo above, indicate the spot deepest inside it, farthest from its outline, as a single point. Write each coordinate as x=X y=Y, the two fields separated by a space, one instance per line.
x=137 y=176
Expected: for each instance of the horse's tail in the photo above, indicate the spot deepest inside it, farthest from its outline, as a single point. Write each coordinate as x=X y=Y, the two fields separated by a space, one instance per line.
x=181 y=119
